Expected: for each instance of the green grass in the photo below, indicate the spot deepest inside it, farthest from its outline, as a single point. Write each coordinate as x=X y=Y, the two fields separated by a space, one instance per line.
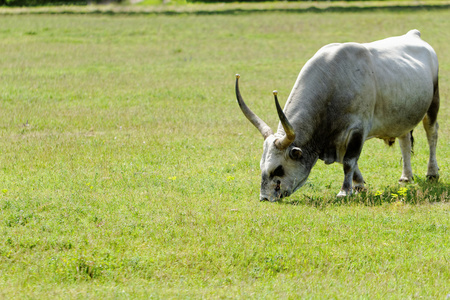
x=128 y=171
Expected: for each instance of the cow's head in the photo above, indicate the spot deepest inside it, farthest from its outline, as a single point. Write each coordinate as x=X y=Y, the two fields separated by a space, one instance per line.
x=284 y=167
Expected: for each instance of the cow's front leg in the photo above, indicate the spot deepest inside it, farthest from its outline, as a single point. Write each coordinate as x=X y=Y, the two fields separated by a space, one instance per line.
x=351 y=170
x=358 y=180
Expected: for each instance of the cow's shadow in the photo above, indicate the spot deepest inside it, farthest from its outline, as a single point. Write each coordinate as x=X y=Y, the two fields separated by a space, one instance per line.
x=417 y=193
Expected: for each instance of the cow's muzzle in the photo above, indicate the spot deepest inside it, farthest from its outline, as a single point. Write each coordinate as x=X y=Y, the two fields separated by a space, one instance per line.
x=277 y=197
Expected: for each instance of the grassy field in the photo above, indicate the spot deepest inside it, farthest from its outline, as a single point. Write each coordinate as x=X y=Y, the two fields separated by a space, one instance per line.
x=128 y=171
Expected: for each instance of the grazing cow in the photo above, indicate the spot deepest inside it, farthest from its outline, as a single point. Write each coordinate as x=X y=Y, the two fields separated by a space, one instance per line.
x=346 y=94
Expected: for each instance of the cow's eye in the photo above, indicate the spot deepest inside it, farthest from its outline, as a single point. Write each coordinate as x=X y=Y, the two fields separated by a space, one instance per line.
x=279 y=172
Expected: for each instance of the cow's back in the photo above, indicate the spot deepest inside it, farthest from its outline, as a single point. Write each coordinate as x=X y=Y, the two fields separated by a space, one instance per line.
x=406 y=71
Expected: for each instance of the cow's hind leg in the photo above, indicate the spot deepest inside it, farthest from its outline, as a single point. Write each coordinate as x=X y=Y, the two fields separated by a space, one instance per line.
x=431 y=128
x=405 y=147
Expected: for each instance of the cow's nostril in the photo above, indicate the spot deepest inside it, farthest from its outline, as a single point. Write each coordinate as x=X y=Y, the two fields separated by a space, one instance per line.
x=277 y=188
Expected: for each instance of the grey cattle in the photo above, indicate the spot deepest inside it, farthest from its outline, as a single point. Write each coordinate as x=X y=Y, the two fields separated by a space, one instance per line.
x=344 y=95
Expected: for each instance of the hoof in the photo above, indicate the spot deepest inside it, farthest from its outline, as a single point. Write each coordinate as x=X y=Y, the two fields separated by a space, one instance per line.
x=405 y=180
x=343 y=194
x=433 y=178
x=359 y=189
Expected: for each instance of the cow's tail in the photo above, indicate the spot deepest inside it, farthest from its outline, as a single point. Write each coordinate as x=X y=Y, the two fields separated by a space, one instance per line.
x=412 y=141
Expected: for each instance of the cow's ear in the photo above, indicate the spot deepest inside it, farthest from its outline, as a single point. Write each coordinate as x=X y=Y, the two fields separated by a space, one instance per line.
x=295 y=153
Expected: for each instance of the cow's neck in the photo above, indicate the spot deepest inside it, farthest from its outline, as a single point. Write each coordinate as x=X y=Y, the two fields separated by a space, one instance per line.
x=307 y=110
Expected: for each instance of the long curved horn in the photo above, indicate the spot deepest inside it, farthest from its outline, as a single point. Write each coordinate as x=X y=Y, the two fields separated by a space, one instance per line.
x=254 y=119
x=289 y=138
